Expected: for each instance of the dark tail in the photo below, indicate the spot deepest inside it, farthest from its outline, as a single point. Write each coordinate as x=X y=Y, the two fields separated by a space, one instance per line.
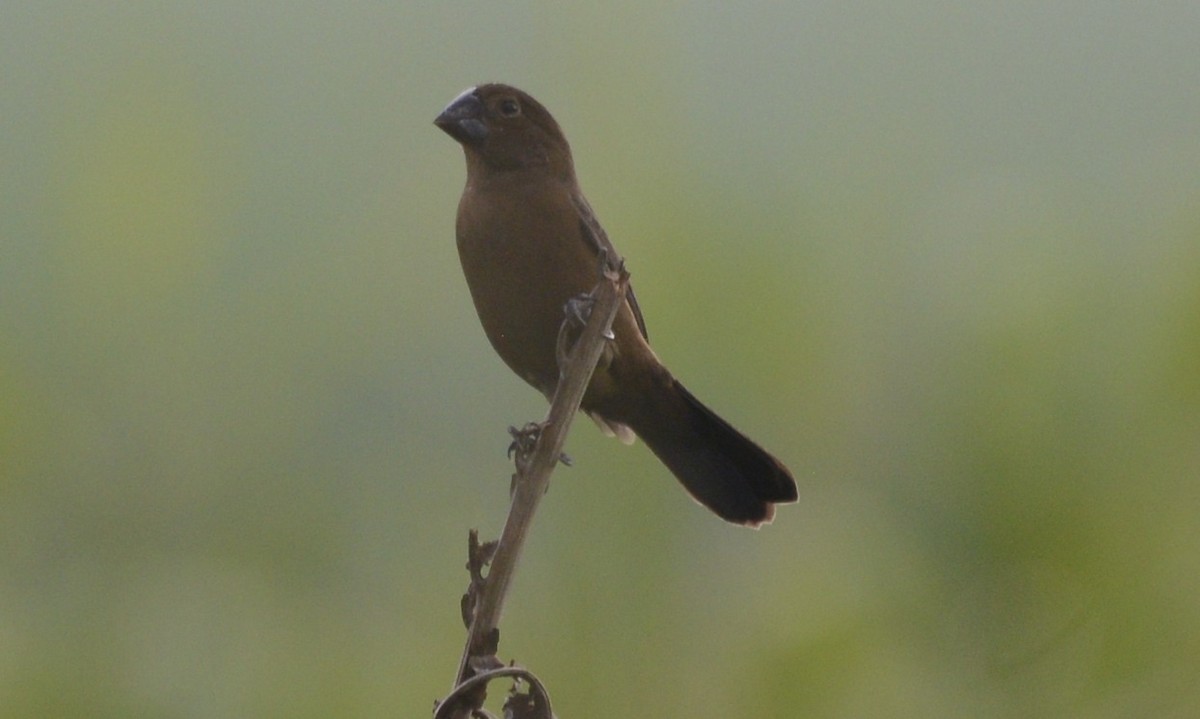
x=719 y=466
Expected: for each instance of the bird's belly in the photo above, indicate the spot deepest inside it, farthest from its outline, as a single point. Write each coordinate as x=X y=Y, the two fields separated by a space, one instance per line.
x=520 y=287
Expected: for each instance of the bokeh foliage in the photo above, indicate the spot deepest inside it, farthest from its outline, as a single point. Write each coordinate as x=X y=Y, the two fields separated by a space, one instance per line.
x=944 y=261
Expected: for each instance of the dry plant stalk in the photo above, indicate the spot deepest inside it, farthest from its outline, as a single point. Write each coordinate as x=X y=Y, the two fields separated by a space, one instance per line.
x=485 y=600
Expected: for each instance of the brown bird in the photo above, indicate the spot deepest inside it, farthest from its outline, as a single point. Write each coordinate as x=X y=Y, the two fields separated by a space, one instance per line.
x=529 y=242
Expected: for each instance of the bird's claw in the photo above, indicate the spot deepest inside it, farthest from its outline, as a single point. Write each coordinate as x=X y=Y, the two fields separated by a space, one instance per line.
x=579 y=308
x=525 y=439
x=578 y=311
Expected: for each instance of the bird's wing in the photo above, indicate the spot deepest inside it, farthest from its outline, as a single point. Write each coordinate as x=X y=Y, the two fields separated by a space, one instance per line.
x=597 y=239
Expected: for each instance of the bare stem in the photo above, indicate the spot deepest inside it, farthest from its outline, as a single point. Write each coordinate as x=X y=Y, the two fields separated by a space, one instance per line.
x=533 y=474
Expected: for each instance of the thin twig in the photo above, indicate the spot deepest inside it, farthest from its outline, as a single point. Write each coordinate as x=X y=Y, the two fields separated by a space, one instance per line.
x=533 y=475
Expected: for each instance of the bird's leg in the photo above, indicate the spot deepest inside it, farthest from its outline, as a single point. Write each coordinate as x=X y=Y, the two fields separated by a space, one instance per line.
x=524 y=441
x=577 y=310
x=575 y=313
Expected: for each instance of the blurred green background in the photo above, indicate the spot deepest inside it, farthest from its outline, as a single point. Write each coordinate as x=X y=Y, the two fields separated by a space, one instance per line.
x=943 y=259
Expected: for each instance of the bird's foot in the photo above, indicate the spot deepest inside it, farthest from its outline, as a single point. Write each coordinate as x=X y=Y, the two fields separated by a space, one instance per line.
x=525 y=439
x=577 y=311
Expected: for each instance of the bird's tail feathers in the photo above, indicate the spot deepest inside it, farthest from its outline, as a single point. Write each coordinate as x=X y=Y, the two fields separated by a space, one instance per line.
x=719 y=466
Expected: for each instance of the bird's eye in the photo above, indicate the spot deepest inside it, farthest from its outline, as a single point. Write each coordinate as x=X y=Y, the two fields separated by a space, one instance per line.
x=509 y=107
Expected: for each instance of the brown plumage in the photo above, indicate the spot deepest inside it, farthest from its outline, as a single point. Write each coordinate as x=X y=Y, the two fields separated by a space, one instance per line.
x=529 y=242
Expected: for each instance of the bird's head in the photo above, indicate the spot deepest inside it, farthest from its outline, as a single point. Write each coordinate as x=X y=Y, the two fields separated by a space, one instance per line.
x=506 y=129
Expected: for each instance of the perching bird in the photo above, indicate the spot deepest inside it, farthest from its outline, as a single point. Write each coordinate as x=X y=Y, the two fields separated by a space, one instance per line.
x=529 y=243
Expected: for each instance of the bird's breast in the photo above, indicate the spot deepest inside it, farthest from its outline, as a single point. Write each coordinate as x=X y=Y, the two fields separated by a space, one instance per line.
x=523 y=257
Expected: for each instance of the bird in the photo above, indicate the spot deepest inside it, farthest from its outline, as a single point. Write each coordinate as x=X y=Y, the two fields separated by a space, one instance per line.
x=529 y=243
